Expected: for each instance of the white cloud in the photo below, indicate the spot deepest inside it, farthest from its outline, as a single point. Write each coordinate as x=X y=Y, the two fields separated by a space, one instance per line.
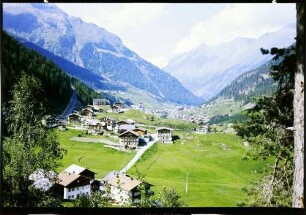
x=117 y=18
x=244 y=20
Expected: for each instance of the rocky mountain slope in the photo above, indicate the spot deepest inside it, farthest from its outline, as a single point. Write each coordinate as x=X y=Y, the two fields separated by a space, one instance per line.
x=91 y=47
x=206 y=70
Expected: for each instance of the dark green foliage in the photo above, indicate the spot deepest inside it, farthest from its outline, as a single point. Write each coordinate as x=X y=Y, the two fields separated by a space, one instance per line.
x=55 y=83
x=269 y=134
x=85 y=94
x=28 y=146
x=258 y=82
x=226 y=118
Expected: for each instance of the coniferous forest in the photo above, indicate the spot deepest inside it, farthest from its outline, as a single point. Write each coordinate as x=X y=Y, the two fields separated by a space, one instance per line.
x=55 y=83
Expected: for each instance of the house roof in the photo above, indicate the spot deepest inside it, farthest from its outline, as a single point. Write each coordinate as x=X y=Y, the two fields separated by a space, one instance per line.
x=164 y=128
x=73 y=168
x=132 y=132
x=65 y=178
x=124 y=182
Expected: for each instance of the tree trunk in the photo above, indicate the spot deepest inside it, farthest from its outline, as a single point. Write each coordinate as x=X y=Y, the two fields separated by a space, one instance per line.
x=298 y=182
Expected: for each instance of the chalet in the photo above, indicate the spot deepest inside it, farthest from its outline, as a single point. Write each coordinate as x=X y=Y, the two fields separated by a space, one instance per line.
x=108 y=123
x=116 y=109
x=123 y=188
x=119 y=105
x=87 y=113
x=69 y=184
x=97 y=102
x=95 y=128
x=74 y=118
x=203 y=129
x=129 y=139
x=126 y=122
x=140 y=131
x=164 y=134
x=75 y=181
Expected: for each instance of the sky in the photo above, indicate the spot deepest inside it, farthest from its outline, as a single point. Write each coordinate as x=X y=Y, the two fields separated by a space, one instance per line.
x=160 y=31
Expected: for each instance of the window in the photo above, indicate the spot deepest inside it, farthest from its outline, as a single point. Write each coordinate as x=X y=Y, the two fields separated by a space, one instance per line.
x=68 y=197
x=77 y=188
x=72 y=189
x=72 y=196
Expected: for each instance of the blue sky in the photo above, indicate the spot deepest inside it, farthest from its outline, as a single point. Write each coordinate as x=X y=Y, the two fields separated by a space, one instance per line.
x=158 y=32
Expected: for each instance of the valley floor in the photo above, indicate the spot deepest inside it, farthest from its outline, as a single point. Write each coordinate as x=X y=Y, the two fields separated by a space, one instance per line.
x=212 y=162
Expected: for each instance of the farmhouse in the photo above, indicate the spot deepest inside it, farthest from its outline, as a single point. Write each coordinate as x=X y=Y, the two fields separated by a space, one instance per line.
x=164 y=134
x=129 y=139
x=76 y=180
x=74 y=118
x=93 y=126
x=108 y=123
x=97 y=102
x=69 y=184
x=87 y=113
x=202 y=129
x=123 y=188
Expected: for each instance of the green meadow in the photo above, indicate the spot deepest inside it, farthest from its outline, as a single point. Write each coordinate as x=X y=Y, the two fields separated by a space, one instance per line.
x=93 y=156
x=212 y=162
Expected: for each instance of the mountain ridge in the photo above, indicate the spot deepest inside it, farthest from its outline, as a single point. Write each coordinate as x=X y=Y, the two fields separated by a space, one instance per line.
x=211 y=68
x=93 y=48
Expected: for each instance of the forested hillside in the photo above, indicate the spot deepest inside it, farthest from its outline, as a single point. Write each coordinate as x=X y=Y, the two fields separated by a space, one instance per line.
x=252 y=84
x=56 y=84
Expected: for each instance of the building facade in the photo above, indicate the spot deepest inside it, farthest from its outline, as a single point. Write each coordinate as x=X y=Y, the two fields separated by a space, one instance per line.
x=164 y=134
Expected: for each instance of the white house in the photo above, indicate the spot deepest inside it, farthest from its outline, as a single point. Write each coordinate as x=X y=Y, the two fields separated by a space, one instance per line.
x=129 y=139
x=68 y=184
x=123 y=188
x=164 y=134
x=202 y=129
x=100 y=102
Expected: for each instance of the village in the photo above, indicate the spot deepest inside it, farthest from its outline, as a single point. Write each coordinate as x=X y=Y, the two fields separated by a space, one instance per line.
x=123 y=135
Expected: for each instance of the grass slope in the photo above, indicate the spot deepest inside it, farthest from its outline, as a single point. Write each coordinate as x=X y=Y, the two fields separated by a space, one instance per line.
x=93 y=156
x=216 y=176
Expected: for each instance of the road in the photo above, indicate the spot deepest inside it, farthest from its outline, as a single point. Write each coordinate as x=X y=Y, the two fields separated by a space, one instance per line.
x=71 y=105
x=138 y=155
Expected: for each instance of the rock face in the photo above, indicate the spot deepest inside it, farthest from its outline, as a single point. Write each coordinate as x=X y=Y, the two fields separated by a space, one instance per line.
x=208 y=69
x=92 y=48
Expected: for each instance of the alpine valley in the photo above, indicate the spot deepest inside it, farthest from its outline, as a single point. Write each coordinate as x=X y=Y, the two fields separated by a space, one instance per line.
x=91 y=54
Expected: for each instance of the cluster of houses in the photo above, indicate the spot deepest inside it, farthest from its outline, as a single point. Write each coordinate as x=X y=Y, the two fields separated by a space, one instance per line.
x=75 y=181
x=129 y=135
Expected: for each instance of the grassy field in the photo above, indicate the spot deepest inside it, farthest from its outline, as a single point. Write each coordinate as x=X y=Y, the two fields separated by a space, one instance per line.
x=213 y=162
x=94 y=156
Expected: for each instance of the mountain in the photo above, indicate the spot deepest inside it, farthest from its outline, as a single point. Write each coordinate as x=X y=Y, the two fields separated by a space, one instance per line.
x=254 y=83
x=56 y=84
x=206 y=70
x=92 y=48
